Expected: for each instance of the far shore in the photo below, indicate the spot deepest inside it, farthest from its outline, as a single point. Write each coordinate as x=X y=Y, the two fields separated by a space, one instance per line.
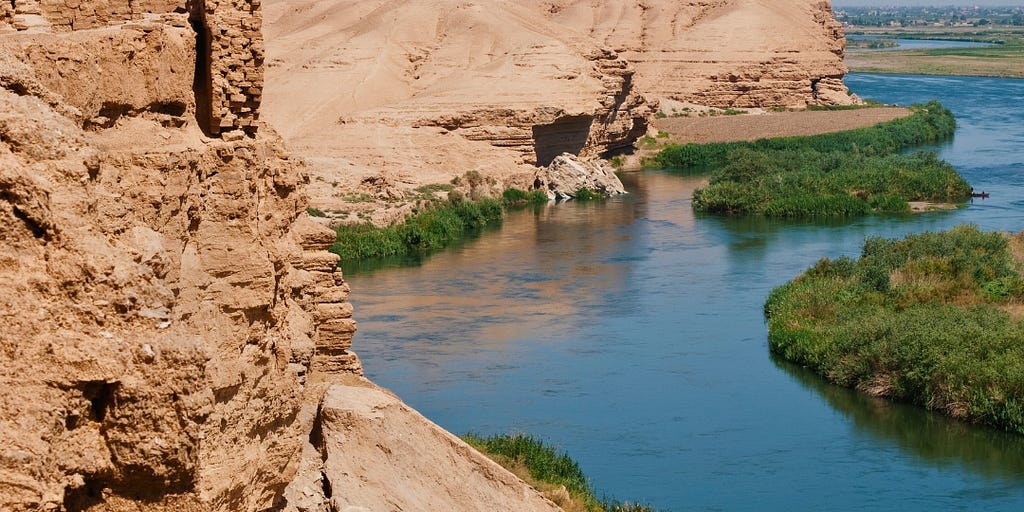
x=683 y=130
x=1003 y=60
x=753 y=126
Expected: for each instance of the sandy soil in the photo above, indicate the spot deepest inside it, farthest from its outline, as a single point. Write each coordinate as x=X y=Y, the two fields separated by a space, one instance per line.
x=778 y=124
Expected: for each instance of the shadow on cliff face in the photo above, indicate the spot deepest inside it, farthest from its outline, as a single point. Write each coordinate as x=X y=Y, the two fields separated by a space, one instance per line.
x=566 y=135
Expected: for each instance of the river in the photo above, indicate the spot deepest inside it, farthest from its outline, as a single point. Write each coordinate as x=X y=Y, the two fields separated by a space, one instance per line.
x=915 y=44
x=630 y=333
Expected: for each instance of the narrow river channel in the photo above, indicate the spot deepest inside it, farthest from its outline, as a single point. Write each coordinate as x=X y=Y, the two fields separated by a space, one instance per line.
x=630 y=333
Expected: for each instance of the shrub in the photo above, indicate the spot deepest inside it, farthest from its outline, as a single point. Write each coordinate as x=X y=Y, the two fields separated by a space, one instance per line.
x=430 y=229
x=427 y=231
x=514 y=197
x=585 y=194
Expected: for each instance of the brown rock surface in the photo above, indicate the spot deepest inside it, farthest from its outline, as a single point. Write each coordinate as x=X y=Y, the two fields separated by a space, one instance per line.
x=722 y=53
x=419 y=92
x=376 y=453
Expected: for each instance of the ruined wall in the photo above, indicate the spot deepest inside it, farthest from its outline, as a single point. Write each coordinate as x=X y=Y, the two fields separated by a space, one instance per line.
x=227 y=49
x=87 y=14
x=234 y=59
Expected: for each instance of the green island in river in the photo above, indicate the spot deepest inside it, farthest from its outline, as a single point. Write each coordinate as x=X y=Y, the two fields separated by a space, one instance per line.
x=934 y=319
x=842 y=174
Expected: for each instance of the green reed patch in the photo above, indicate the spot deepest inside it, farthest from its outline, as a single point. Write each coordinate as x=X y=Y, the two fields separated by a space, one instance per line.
x=428 y=230
x=547 y=469
x=932 y=319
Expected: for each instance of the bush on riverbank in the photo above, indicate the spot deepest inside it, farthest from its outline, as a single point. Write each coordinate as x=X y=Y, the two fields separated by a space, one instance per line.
x=847 y=173
x=429 y=230
x=933 y=319
x=548 y=470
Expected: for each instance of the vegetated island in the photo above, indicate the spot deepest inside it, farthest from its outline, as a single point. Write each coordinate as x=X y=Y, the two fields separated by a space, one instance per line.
x=934 y=319
x=849 y=173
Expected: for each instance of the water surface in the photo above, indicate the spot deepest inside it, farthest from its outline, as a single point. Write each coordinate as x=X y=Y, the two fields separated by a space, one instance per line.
x=916 y=44
x=630 y=333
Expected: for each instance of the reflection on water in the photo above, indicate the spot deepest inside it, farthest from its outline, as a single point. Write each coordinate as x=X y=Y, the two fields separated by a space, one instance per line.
x=630 y=333
x=932 y=438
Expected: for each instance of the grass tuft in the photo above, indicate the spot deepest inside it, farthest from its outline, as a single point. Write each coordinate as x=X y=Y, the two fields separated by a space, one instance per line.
x=431 y=229
x=548 y=470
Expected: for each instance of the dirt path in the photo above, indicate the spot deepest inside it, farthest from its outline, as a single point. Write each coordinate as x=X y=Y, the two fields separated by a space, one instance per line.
x=779 y=124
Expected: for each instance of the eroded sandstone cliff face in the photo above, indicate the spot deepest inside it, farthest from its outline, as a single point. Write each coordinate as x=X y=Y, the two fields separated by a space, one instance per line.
x=722 y=53
x=166 y=306
x=426 y=90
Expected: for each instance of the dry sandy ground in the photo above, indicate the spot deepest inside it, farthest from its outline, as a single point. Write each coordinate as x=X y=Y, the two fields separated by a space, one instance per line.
x=778 y=124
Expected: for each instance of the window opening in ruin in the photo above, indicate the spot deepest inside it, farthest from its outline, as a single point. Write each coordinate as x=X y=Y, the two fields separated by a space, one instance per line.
x=814 y=87
x=202 y=84
x=100 y=396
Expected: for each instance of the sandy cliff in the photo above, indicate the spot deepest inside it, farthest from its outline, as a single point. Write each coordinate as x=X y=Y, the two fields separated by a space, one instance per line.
x=722 y=53
x=174 y=333
x=382 y=97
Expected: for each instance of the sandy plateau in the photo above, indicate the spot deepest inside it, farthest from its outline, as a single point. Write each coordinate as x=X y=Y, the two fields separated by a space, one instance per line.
x=174 y=334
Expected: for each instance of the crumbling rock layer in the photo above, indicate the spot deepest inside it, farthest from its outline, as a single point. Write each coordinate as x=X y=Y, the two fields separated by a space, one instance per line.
x=170 y=317
x=721 y=53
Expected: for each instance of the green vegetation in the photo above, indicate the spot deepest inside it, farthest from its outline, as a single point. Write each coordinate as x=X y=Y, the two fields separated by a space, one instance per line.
x=548 y=470
x=315 y=212
x=428 y=230
x=933 y=319
x=870 y=44
x=585 y=194
x=512 y=197
x=847 y=173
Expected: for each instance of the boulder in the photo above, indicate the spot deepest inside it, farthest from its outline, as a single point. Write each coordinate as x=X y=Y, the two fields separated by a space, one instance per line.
x=568 y=174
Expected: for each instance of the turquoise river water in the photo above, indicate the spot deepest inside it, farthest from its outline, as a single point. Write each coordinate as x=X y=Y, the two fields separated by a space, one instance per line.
x=630 y=333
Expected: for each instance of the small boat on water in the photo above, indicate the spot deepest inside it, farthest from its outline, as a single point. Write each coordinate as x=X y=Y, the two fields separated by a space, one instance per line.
x=982 y=194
